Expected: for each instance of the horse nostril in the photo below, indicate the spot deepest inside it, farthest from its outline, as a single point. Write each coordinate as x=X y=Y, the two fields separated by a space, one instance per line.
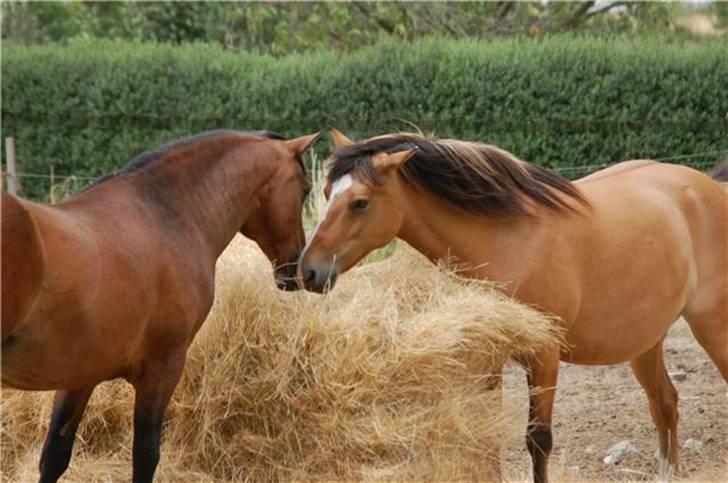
x=309 y=276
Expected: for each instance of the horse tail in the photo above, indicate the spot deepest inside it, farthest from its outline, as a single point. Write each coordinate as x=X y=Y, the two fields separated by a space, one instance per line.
x=22 y=263
x=720 y=172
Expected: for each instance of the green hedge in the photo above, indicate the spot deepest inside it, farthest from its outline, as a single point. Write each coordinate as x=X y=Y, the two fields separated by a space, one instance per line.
x=563 y=102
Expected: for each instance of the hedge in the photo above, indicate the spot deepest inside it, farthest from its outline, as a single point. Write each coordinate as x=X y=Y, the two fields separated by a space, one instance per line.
x=564 y=102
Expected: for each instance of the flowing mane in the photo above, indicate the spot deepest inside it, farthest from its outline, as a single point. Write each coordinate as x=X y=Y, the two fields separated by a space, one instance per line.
x=479 y=178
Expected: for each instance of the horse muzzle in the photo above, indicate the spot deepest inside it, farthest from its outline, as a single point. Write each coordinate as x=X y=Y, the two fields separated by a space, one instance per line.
x=319 y=278
x=285 y=277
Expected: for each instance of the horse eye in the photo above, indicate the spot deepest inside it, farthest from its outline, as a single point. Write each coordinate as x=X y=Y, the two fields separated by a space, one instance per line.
x=358 y=205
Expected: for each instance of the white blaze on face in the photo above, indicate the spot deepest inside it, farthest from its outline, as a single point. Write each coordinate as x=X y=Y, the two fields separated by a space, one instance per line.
x=340 y=185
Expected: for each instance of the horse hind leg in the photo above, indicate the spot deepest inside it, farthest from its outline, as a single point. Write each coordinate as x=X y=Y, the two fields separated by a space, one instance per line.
x=650 y=371
x=708 y=320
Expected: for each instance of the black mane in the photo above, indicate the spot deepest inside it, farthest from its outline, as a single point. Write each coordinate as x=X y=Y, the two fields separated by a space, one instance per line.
x=144 y=159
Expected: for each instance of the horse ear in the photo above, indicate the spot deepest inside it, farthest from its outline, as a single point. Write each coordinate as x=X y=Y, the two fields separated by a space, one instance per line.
x=395 y=160
x=299 y=145
x=340 y=141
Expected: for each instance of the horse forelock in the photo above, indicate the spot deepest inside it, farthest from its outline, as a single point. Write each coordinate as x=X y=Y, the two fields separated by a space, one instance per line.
x=476 y=177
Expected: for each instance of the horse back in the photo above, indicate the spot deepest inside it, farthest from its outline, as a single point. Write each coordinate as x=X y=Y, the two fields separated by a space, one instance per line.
x=22 y=263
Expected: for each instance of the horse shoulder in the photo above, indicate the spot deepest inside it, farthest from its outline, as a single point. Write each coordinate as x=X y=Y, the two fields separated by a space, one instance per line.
x=186 y=292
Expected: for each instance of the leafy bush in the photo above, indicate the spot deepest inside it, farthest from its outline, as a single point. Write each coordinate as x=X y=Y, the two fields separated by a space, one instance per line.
x=563 y=102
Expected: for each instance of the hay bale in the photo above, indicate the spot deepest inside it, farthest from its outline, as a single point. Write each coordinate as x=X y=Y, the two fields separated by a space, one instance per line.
x=388 y=377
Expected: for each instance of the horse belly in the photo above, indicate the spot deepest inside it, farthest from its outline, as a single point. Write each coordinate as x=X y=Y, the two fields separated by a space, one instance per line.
x=626 y=316
x=61 y=351
x=73 y=337
x=620 y=338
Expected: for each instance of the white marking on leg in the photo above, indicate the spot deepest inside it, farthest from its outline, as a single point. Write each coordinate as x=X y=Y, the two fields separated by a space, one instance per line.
x=338 y=187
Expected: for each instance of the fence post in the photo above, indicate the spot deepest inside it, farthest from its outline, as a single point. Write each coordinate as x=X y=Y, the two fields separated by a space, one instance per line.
x=10 y=162
x=53 y=187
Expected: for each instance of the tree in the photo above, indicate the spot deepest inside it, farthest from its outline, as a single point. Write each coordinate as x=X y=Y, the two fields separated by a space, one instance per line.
x=281 y=28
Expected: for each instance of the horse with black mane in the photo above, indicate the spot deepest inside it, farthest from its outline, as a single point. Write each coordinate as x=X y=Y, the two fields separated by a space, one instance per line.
x=618 y=255
x=116 y=281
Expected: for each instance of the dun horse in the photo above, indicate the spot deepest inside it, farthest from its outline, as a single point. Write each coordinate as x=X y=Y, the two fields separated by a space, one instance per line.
x=116 y=281
x=618 y=256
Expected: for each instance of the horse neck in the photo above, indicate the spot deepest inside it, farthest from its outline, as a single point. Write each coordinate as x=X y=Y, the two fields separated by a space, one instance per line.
x=219 y=195
x=203 y=193
x=444 y=232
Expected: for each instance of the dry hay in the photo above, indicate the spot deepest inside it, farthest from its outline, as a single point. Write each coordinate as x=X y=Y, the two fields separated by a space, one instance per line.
x=387 y=377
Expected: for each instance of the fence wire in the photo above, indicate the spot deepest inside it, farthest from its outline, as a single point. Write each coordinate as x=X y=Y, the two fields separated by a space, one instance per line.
x=72 y=183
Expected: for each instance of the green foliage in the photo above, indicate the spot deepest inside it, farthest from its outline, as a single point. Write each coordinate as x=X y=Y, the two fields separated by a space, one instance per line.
x=280 y=28
x=91 y=106
x=721 y=12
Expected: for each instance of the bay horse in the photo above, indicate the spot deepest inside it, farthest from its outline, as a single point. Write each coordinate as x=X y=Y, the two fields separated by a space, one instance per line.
x=617 y=256
x=116 y=281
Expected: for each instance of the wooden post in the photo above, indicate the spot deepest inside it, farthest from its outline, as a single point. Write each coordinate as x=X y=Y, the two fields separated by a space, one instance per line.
x=10 y=163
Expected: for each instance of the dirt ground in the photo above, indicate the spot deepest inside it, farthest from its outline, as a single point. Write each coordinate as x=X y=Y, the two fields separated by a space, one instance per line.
x=597 y=407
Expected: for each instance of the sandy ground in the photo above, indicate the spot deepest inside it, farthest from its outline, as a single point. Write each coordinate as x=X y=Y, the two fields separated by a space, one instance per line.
x=597 y=407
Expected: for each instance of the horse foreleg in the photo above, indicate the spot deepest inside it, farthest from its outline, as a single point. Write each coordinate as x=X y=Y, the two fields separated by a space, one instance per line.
x=542 y=376
x=650 y=371
x=153 y=391
x=68 y=408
